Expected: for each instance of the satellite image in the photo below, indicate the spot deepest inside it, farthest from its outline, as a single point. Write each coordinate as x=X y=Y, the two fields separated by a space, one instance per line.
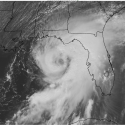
x=62 y=63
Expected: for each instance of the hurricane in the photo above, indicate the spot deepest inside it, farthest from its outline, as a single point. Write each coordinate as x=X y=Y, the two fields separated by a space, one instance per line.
x=72 y=66
x=71 y=69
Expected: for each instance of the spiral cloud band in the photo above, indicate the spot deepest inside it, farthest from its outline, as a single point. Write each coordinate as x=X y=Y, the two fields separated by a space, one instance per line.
x=68 y=62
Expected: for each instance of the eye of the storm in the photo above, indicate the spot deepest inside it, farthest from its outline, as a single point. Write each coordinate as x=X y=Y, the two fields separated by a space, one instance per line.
x=55 y=61
x=60 y=62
